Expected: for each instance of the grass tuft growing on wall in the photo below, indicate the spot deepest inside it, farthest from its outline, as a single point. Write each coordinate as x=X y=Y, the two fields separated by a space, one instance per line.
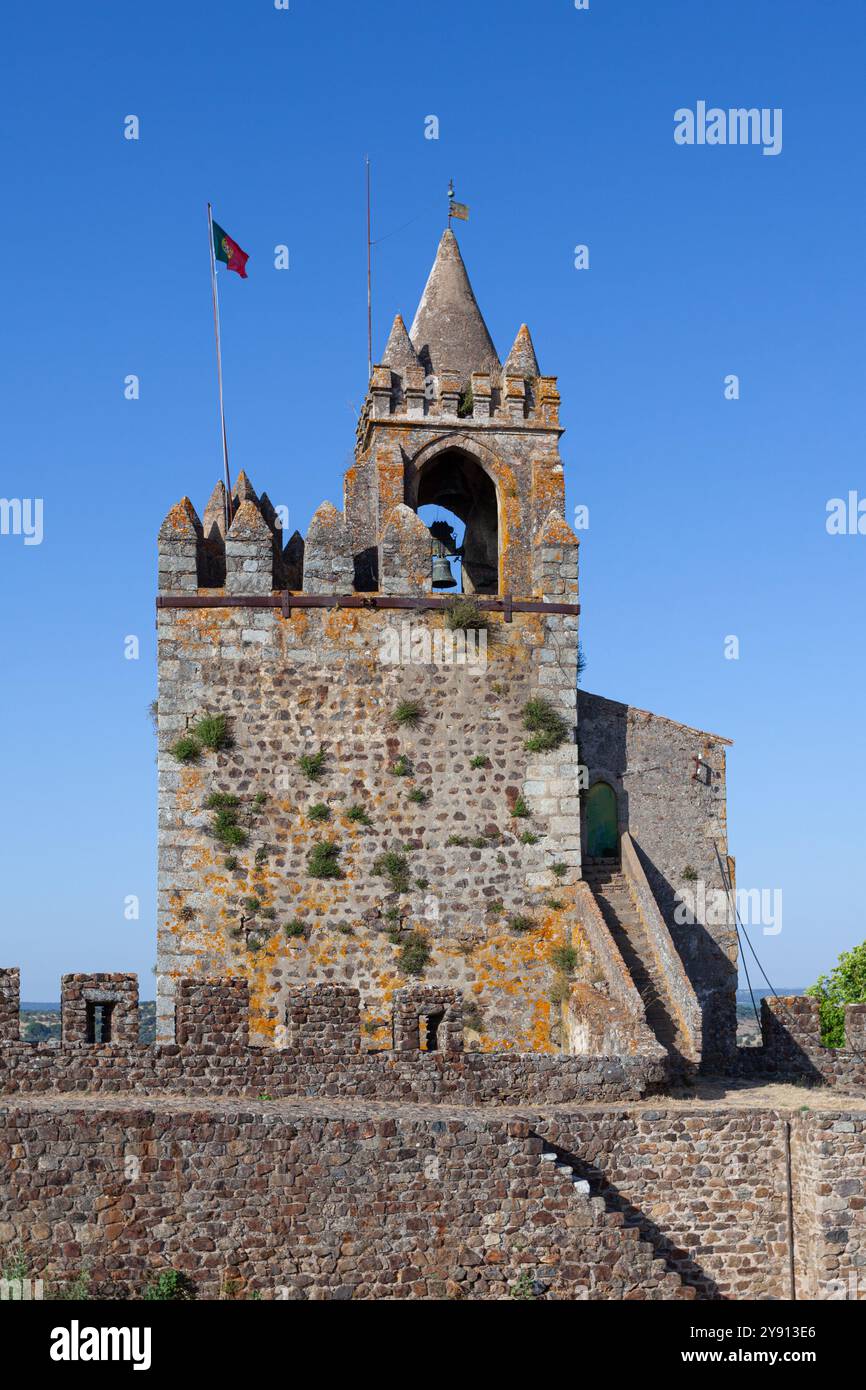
x=323 y=861
x=408 y=713
x=312 y=765
x=546 y=725
x=414 y=954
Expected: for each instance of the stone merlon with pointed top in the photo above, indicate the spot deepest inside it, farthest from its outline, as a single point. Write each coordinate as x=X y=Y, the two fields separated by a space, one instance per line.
x=178 y=545
x=521 y=360
x=249 y=552
x=399 y=353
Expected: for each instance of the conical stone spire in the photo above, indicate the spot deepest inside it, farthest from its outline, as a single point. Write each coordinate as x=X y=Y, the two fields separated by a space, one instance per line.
x=399 y=353
x=448 y=330
x=214 y=520
x=522 y=360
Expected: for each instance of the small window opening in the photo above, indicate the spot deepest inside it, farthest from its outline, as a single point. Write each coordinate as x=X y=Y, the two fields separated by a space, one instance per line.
x=99 y=1022
x=431 y=1032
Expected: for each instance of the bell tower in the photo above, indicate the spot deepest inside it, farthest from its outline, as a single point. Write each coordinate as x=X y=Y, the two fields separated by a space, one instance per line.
x=352 y=791
x=445 y=422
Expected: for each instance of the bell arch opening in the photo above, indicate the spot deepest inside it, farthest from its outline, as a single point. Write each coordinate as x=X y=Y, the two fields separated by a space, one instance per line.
x=455 y=482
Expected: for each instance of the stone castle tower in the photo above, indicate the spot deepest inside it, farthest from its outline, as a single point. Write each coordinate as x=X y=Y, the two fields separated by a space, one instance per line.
x=354 y=792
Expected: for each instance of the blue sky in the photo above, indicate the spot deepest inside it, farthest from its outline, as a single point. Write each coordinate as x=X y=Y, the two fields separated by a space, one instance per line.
x=707 y=516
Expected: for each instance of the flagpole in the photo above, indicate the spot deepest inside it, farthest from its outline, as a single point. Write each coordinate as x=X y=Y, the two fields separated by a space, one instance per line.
x=369 y=282
x=216 y=326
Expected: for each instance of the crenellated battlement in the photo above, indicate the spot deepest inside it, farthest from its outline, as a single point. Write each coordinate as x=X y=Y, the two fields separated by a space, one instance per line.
x=318 y=1050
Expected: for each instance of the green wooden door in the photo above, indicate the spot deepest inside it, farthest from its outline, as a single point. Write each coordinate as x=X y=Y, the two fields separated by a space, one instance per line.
x=602 y=830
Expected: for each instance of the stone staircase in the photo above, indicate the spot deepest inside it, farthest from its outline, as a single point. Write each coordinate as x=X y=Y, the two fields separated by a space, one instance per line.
x=649 y=1276
x=610 y=888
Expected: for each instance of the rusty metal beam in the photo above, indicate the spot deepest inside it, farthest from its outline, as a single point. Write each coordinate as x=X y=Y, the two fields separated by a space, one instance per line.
x=286 y=601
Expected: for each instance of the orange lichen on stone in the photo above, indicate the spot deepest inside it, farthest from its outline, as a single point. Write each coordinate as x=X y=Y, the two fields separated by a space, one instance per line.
x=182 y=522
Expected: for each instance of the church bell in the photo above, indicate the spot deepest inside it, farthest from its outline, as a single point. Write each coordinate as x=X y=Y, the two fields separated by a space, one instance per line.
x=444 y=544
x=442 y=576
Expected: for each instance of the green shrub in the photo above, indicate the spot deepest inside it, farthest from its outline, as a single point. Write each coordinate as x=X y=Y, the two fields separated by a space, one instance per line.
x=479 y=761
x=358 y=815
x=323 y=860
x=419 y=796
x=523 y=1287
x=395 y=867
x=401 y=767
x=846 y=984
x=18 y=1267
x=520 y=809
x=422 y=883
x=231 y=861
x=546 y=725
x=231 y=835
x=457 y=841
x=226 y=822
x=186 y=749
x=528 y=838
x=319 y=812
x=409 y=713
x=252 y=904
x=521 y=923
x=559 y=870
x=555 y=904
x=690 y=874
x=312 y=765
x=227 y=830
x=75 y=1290
x=212 y=732
x=414 y=954
x=295 y=928
x=564 y=958
x=464 y=615
x=169 y=1287
x=222 y=801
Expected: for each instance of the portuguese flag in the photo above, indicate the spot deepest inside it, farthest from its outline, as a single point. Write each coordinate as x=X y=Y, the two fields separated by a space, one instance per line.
x=227 y=250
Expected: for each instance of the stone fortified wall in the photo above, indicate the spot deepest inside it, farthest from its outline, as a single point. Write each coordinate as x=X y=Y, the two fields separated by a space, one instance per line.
x=791 y=1036
x=419 y=1171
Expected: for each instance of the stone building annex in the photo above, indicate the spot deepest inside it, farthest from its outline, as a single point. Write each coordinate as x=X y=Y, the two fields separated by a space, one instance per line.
x=423 y=991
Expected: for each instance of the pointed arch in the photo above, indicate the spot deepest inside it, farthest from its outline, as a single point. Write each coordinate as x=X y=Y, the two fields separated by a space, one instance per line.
x=465 y=478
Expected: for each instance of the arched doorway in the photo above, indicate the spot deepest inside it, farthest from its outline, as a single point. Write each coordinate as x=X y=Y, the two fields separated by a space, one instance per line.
x=602 y=822
x=453 y=480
